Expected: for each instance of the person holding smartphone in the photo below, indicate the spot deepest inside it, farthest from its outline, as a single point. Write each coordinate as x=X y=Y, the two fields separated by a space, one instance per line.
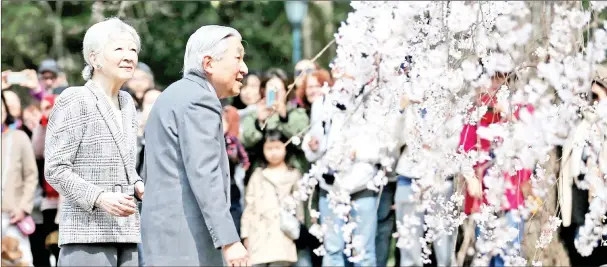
x=274 y=111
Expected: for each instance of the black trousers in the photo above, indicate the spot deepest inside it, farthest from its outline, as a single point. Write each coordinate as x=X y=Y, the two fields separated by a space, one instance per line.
x=40 y=252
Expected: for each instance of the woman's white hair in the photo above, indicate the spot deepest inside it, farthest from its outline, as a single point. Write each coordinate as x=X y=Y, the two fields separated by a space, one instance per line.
x=210 y=40
x=98 y=35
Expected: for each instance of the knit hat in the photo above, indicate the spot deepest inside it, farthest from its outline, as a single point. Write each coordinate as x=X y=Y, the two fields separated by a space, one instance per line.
x=49 y=65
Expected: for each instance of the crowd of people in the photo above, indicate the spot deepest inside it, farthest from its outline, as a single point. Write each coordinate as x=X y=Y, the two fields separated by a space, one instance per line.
x=265 y=168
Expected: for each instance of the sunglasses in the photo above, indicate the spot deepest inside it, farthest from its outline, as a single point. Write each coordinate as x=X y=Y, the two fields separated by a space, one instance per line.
x=305 y=71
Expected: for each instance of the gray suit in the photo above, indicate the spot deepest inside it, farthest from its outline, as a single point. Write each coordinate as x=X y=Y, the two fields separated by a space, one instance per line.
x=186 y=210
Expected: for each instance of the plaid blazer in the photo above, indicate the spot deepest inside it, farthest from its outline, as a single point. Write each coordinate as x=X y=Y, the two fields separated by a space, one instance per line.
x=86 y=153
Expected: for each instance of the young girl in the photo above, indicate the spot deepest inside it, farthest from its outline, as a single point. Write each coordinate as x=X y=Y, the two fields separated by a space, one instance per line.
x=269 y=187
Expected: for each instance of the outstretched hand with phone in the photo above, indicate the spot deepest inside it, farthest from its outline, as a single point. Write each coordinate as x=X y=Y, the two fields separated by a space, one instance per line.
x=5 y=84
x=31 y=81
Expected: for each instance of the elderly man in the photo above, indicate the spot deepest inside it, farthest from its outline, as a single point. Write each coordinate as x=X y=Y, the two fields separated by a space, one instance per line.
x=186 y=213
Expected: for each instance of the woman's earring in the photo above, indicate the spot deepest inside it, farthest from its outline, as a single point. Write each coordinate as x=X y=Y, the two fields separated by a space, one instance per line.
x=98 y=66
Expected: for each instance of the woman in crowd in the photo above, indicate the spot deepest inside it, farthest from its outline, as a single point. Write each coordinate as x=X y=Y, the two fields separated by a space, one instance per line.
x=13 y=103
x=142 y=81
x=302 y=69
x=271 y=185
x=518 y=183
x=48 y=203
x=31 y=117
x=578 y=160
x=327 y=125
x=288 y=119
x=90 y=153
x=311 y=88
x=147 y=101
x=19 y=181
x=249 y=95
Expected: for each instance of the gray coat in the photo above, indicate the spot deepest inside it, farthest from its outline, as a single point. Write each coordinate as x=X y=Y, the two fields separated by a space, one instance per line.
x=86 y=153
x=186 y=209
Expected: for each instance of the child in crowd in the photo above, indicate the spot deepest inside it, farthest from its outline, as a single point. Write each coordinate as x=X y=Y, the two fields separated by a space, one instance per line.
x=268 y=191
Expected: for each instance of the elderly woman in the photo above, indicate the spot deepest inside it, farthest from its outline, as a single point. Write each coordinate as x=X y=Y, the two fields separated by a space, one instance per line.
x=90 y=153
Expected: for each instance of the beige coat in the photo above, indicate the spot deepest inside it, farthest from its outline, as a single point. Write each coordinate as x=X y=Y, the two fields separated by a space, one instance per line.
x=22 y=172
x=261 y=217
x=571 y=162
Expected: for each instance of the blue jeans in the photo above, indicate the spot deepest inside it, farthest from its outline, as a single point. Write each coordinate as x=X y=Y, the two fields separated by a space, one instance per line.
x=497 y=260
x=304 y=259
x=365 y=216
x=385 y=224
x=444 y=245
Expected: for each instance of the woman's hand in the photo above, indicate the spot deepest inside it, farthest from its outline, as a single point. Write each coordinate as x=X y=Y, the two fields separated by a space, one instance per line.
x=139 y=188
x=280 y=107
x=116 y=204
x=5 y=84
x=16 y=215
x=474 y=187
x=263 y=113
x=599 y=91
x=313 y=144
x=32 y=80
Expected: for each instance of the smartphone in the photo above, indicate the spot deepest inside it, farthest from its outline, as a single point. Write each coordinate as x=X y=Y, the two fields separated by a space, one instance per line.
x=16 y=78
x=270 y=97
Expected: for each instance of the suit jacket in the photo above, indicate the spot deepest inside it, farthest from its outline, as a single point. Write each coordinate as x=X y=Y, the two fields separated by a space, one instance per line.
x=186 y=213
x=86 y=153
x=19 y=170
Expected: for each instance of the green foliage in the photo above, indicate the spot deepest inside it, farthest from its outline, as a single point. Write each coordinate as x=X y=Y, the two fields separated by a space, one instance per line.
x=35 y=30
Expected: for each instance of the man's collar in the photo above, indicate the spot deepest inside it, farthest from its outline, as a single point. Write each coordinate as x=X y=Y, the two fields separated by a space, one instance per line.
x=200 y=80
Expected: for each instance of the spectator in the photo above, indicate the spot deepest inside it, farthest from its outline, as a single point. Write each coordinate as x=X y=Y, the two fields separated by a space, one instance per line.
x=237 y=157
x=272 y=182
x=31 y=117
x=469 y=140
x=408 y=170
x=148 y=99
x=578 y=160
x=311 y=88
x=19 y=181
x=249 y=95
x=13 y=103
x=142 y=81
x=51 y=77
x=48 y=202
x=327 y=126
x=288 y=119
x=303 y=68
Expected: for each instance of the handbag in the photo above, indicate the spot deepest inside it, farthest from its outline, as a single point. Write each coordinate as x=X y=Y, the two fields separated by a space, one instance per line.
x=289 y=224
x=27 y=226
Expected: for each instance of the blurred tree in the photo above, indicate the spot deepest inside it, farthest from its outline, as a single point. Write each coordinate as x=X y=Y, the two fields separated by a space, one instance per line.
x=35 y=30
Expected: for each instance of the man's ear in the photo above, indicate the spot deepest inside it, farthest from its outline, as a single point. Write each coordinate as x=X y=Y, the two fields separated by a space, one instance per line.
x=207 y=64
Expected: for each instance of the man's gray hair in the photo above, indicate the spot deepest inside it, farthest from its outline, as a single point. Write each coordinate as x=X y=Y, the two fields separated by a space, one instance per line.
x=209 y=41
x=98 y=35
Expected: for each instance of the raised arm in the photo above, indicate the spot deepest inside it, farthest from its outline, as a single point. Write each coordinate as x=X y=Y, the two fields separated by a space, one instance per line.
x=64 y=133
x=201 y=152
